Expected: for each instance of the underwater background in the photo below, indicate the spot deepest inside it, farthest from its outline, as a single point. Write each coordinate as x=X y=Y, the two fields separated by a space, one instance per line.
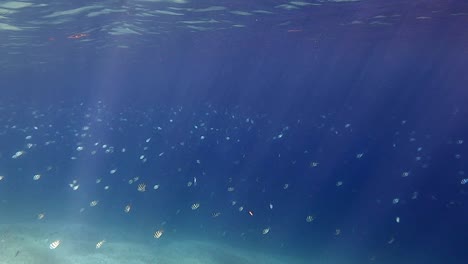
x=271 y=131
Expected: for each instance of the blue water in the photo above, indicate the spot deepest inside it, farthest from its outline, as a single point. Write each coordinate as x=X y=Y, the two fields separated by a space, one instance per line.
x=331 y=131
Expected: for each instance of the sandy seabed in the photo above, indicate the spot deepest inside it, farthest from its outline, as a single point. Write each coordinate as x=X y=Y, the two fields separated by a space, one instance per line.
x=29 y=244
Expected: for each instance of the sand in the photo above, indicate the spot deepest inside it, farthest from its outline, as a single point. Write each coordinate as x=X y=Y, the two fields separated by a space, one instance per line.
x=29 y=244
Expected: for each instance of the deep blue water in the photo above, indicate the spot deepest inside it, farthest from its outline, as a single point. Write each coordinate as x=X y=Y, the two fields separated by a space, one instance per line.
x=351 y=112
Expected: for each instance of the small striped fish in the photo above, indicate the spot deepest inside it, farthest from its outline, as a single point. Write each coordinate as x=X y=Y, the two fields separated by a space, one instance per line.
x=100 y=243
x=54 y=244
x=158 y=233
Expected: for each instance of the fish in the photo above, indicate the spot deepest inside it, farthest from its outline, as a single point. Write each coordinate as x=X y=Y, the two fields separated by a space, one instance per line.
x=100 y=243
x=54 y=244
